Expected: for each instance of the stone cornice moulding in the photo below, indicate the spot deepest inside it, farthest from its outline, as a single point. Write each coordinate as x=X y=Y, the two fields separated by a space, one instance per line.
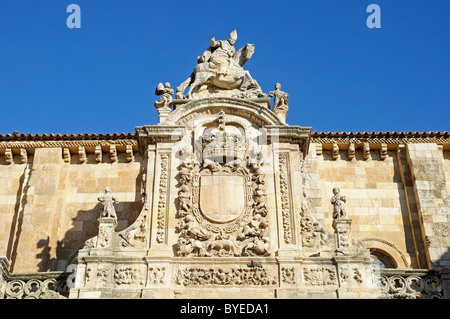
x=254 y=109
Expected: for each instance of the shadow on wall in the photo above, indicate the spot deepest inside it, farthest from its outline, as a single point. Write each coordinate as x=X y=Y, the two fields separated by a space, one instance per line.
x=84 y=227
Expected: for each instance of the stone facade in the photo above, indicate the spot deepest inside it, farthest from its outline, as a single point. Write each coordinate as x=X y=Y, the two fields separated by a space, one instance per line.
x=223 y=199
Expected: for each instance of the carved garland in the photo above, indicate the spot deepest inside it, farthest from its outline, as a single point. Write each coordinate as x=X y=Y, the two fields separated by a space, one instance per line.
x=285 y=203
x=162 y=201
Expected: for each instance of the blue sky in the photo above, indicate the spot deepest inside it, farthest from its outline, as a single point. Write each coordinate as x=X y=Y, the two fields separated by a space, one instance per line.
x=340 y=75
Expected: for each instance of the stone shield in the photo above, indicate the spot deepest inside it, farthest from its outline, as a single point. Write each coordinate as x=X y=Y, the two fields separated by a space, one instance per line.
x=222 y=197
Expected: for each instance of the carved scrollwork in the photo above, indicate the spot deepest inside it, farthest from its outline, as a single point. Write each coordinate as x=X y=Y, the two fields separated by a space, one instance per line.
x=409 y=287
x=50 y=288
x=208 y=228
x=314 y=235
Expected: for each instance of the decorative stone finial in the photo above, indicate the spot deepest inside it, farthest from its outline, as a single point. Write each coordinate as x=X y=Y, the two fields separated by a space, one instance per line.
x=164 y=105
x=166 y=93
x=338 y=201
x=280 y=102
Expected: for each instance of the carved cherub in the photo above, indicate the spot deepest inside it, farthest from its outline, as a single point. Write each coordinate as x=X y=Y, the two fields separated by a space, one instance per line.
x=338 y=201
x=281 y=98
x=107 y=200
x=166 y=93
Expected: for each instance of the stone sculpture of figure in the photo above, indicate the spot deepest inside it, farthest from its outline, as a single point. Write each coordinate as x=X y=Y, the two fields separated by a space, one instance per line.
x=281 y=98
x=166 y=93
x=221 y=55
x=220 y=70
x=107 y=200
x=338 y=201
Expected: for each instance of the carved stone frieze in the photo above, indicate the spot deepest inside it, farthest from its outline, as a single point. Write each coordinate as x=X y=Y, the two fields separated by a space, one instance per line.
x=157 y=275
x=288 y=275
x=127 y=275
x=234 y=276
x=319 y=276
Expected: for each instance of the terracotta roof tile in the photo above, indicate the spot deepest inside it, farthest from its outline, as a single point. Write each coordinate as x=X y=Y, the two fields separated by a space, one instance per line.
x=315 y=134
x=394 y=134
x=86 y=136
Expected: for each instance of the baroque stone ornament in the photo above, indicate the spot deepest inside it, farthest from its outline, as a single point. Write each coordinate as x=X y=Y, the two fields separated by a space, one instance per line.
x=285 y=194
x=162 y=201
x=220 y=72
x=314 y=235
x=236 y=276
x=221 y=201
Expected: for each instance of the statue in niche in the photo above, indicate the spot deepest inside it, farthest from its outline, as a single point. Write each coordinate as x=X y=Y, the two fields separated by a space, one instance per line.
x=338 y=202
x=220 y=71
x=108 y=201
x=166 y=93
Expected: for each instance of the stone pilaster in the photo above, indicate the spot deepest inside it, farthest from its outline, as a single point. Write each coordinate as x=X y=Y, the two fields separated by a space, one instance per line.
x=433 y=201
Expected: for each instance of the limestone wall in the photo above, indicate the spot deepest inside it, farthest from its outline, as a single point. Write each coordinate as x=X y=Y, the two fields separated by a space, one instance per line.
x=446 y=160
x=11 y=179
x=375 y=195
x=395 y=196
x=49 y=206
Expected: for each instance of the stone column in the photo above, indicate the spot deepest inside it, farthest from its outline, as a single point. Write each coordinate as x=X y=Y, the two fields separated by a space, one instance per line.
x=433 y=201
x=158 y=141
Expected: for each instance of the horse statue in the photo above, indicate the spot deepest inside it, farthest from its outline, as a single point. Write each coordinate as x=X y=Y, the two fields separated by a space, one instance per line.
x=220 y=71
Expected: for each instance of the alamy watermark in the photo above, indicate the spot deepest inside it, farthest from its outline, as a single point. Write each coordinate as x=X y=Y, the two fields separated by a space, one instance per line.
x=374 y=19
x=74 y=19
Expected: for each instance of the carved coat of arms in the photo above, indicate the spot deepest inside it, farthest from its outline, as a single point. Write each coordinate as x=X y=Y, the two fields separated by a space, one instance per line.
x=222 y=199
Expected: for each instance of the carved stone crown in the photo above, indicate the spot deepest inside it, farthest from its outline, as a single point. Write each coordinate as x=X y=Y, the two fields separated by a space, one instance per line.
x=223 y=146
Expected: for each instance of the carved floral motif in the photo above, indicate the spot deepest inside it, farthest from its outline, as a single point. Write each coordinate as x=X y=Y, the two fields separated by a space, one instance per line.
x=288 y=275
x=319 y=276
